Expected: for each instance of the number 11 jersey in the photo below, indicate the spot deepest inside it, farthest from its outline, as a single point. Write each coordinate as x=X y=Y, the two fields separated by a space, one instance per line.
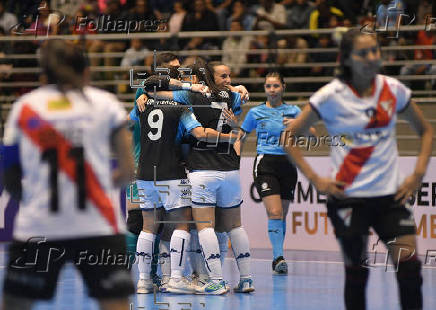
x=64 y=151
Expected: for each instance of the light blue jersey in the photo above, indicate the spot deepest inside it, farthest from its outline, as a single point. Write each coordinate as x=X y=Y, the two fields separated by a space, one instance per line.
x=268 y=123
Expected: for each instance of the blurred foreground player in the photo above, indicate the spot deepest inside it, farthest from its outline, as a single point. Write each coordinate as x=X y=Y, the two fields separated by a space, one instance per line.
x=367 y=189
x=58 y=141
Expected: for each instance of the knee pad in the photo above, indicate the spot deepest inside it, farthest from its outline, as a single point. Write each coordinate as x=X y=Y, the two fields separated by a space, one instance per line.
x=134 y=221
x=410 y=283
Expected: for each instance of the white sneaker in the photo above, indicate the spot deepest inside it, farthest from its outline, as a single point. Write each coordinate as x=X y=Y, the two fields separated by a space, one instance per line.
x=144 y=286
x=180 y=286
x=212 y=287
x=199 y=280
x=244 y=286
x=164 y=284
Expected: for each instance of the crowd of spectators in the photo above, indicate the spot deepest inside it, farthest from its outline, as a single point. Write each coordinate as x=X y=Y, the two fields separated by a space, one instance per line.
x=88 y=17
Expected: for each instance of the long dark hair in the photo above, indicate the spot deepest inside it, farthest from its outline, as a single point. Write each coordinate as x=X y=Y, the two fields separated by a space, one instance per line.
x=63 y=63
x=204 y=72
x=346 y=47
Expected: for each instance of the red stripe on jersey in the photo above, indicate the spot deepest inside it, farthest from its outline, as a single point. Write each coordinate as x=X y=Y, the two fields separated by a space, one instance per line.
x=386 y=107
x=353 y=163
x=45 y=136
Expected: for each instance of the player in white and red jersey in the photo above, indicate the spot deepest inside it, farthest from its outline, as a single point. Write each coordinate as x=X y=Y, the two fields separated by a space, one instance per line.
x=58 y=142
x=360 y=110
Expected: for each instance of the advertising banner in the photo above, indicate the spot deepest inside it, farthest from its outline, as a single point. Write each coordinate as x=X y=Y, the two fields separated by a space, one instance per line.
x=308 y=227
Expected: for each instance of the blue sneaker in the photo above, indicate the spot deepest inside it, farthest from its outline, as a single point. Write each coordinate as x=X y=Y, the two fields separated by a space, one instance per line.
x=212 y=287
x=244 y=286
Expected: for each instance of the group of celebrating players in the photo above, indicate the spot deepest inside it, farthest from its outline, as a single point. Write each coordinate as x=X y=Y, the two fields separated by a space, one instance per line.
x=59 y=137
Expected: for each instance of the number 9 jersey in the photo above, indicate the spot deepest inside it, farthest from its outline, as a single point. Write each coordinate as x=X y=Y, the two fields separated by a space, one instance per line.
x=64 y=150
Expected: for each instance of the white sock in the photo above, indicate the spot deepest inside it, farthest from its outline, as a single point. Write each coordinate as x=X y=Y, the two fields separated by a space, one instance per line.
x=211 y=253
x=179 y=244
x=144 y=253
x=241 y=251
x=223 y=241
x=196 y=256
x=164 y=258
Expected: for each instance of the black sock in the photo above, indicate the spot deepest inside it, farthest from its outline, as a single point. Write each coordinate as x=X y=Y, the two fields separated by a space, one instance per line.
x=410 y=283
x=356 y=278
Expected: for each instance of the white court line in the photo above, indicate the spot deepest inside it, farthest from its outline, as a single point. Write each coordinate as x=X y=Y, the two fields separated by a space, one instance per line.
x=322 y=262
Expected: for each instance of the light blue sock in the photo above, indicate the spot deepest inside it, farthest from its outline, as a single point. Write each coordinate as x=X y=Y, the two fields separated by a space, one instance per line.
x=275 y=233
x=284 y=229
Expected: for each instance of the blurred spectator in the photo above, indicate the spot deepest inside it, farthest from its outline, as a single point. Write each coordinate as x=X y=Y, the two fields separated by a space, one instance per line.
x=46 y=23
x=424 y=13
x=5 y=64
x=299 y=14
x=235 y=58
x=135 y=55
x=176 y=19
x=7 y=20
x=323 y=15
x=221 y=9
x=239 y=11
x=113 y=10
x=390 y=56
x=22 y=8
x=199 y=18
x=141 y=12
x=290 y=57
x=261 y=42
x=324 y=41
x=389 y=14
x=162 y=9
x=270 y=16
x=423 y=38
x=170 y=44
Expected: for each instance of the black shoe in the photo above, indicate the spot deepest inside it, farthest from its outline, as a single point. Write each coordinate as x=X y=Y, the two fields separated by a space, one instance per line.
x=279 y=266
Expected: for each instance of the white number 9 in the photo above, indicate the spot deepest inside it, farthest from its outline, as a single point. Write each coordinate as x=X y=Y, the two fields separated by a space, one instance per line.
x=155 y=124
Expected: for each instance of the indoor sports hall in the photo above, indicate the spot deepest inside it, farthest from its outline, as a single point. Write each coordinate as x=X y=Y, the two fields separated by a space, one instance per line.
x=299 y=39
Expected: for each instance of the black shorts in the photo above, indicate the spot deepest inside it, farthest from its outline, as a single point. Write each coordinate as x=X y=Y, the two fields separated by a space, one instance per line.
x=354 y=216
x=274 y=175
x=34 y=266
x=134 y=221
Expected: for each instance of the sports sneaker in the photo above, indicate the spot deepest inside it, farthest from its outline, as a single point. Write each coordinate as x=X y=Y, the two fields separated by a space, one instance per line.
x=199 y=280
x=180 y=286
x=164 y=284
x=279 y=266
x=244 y=286
x=212 y=287
x=144 y=286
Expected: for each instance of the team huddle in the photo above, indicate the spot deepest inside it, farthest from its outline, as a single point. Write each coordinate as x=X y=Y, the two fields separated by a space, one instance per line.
x=185 y=198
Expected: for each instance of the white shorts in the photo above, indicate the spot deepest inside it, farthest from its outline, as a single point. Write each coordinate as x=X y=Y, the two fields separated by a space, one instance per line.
x=211 y=188
x=170 y=194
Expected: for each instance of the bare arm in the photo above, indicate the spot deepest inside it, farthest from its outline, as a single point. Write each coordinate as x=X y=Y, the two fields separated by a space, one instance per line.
x=123 y=151
x=423 y=128
x=213 y=136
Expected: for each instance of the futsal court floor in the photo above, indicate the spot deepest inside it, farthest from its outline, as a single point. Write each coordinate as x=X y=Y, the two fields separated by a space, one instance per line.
x=314 y=282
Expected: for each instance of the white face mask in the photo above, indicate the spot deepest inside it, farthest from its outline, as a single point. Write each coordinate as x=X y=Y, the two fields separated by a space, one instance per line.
x=364 y=71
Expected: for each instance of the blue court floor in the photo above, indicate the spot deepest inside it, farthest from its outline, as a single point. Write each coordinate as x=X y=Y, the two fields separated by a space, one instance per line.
x=314 y=282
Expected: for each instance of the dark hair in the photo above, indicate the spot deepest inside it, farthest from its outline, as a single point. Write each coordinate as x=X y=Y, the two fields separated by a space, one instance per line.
x=209 y=75
x=63 y=63
x=345 y=49
x=276 y=75
x=204 y=72
x=165 y=58
x=162 y=60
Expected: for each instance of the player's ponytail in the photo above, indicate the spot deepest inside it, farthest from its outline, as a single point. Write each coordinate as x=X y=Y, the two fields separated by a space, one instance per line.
x=63 y=64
